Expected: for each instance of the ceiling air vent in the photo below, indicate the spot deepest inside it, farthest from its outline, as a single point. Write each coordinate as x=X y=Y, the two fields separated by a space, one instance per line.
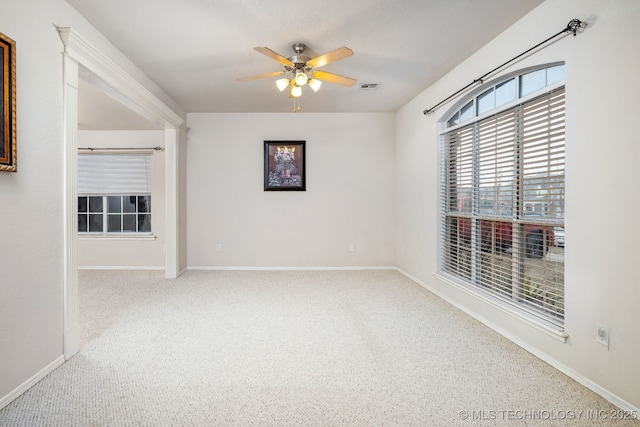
x=369 y=86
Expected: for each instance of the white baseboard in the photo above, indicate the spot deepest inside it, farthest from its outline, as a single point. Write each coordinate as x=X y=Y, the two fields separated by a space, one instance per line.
x=611 y=397
x=245 y=268
x=239 y=268
x=5 y=400
x=121 y=267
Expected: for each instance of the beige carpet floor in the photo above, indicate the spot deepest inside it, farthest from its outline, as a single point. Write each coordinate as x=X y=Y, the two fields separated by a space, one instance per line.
x=292 y=348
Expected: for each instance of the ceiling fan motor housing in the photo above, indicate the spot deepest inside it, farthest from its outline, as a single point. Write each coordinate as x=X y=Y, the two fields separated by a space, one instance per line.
x=299 y=60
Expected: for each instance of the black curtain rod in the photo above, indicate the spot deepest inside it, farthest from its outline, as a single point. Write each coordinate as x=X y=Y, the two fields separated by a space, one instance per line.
x=572 y=27
x=158 y=148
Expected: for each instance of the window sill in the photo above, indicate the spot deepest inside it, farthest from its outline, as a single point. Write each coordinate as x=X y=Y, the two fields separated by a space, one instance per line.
x=541 y=325
x=99 y=236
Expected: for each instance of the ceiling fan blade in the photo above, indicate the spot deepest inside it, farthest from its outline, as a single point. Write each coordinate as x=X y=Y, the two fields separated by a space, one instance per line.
x=273 y=55
x=334 y=55
x=334 y=78
x=261 y=76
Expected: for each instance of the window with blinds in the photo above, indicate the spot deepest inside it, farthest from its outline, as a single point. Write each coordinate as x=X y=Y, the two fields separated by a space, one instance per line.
x=502 y=226
x=114 y=193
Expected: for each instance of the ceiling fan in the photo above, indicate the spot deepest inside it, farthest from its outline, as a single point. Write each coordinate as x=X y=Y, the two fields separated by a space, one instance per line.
x=304 y=69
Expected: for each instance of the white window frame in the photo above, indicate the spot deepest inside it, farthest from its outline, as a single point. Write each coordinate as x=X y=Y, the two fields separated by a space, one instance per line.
x=106 y=213
x=553 y=323
x=120 y=183
x=472 y=97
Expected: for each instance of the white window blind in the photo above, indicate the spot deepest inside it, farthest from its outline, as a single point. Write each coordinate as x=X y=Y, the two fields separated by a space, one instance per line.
x=503 y=203
x=114 y=174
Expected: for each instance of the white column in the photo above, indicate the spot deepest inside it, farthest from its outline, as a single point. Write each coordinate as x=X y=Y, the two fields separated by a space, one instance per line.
x=70 y=99
x=172 y=215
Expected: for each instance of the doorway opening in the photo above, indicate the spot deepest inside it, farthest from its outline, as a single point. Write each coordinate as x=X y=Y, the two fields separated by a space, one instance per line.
x=84 y=63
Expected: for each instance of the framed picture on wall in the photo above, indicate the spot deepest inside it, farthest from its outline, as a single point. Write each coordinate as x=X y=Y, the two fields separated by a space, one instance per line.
x=284 y=166
x=8 y=104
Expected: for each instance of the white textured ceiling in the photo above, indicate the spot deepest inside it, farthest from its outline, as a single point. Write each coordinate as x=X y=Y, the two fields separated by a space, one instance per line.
x=196 y=49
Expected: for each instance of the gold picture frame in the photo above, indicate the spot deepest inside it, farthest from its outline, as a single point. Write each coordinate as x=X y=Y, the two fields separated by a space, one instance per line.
x=8 y=149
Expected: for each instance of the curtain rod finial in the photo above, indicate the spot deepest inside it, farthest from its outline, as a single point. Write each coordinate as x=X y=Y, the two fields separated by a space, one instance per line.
x=573 y=26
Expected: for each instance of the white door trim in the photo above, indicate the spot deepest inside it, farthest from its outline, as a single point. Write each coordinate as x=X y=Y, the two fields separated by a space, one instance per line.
x=79 y=52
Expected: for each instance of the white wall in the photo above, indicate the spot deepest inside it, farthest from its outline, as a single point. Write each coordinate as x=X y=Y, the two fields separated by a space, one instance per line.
x=129 y=252
x=602 y=105
x=350 y=196
x=32 y=208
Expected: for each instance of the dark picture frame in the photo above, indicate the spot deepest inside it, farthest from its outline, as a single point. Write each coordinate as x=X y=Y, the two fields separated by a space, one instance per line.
x=285 y=166
x=8 y=148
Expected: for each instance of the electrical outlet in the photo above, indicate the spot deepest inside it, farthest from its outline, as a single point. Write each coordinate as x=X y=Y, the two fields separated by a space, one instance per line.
x=352 y=247
x=602 y=335
x=218 y=247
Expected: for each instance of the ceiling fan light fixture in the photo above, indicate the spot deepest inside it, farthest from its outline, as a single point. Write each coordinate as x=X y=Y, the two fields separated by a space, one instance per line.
x=296 y=91
x=283 y=83
x=314 y=84
x=302 y=69
x=301 y=78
